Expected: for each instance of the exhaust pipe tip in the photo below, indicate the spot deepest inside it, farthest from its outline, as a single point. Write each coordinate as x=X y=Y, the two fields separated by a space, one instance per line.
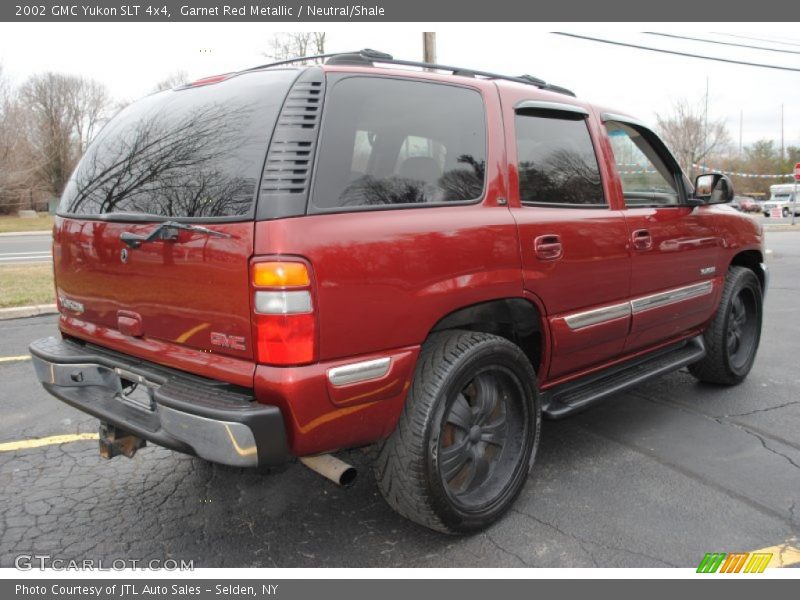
x=333 y=469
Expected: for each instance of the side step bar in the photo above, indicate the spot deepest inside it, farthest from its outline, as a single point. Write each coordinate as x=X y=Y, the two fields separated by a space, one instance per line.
x=573 y=396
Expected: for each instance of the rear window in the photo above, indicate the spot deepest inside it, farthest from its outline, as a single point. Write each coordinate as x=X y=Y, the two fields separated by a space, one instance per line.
x=390 y=142
x=195 y=152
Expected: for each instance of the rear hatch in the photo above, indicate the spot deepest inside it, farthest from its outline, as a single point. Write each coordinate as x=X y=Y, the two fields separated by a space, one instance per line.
x=192 y=157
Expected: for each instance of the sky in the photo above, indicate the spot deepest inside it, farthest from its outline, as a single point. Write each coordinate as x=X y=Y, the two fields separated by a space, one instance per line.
x=131 y=57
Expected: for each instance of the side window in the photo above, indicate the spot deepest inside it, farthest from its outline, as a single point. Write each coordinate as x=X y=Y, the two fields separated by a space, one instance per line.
x=556 y=161
x=391 y=142
x=646 y=179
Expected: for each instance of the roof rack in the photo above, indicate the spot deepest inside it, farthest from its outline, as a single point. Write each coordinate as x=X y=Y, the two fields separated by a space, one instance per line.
x=368 y=57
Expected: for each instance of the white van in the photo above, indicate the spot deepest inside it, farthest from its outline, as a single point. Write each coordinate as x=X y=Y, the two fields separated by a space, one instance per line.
x=782 y=196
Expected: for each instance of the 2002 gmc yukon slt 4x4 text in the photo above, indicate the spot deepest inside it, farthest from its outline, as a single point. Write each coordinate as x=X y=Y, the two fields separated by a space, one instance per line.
x=291 y=260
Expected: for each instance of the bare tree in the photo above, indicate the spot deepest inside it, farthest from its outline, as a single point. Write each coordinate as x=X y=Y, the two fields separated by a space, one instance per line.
x=173 y=80
x=63 y=114
x=294 y=44
x=16 y=164
x=690 y=138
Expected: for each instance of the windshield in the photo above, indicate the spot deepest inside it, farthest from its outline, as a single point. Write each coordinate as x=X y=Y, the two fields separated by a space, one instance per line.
x=195 y=152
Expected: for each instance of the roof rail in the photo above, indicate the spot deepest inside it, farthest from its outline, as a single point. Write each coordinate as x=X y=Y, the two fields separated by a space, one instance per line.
x=369 y=57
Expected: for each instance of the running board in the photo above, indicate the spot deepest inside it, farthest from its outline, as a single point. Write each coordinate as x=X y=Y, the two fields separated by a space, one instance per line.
x=573 y=396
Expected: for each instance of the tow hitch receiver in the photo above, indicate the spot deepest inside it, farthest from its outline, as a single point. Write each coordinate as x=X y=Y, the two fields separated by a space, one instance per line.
x=115 y=441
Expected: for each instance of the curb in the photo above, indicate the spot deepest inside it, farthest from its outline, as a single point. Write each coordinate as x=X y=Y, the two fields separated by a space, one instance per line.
x=782 y=227
x=18 y=312
x=20 y=233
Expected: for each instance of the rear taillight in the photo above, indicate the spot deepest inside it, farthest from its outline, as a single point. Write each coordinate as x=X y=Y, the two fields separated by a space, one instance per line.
x=284 y=319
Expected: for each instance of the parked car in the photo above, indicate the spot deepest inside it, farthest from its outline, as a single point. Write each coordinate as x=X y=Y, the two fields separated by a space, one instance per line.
x=292 y=260
x=746 y=204
x=782 y=197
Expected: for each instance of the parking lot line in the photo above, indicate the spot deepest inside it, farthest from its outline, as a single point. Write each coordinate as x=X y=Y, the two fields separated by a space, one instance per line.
x=4 y=359
x=46 y=441
x=783 y=555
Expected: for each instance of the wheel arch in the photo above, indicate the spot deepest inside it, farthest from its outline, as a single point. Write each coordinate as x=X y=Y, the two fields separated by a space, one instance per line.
x=518 y=320
x=751 y=259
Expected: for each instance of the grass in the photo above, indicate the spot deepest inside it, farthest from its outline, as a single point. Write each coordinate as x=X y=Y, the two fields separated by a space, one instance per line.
x=43 y=222
x=23 y=285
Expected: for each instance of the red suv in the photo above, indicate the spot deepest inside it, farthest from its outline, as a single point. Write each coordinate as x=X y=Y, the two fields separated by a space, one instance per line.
x=292 y=260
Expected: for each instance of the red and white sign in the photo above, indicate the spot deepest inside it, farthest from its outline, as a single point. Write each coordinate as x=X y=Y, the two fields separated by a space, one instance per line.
x=797 y=172
x=775 y=213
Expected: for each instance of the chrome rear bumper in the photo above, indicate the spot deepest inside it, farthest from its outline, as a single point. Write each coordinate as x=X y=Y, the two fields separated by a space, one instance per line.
x=167 y=407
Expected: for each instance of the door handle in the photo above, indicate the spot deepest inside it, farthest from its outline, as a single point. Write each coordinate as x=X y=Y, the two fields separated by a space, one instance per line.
x=642 y=240
x=548 y=247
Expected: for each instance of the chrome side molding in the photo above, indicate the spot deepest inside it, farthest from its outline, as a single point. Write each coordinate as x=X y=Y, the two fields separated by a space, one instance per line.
x=671 y=296
x=360 y=371
x=596 y=316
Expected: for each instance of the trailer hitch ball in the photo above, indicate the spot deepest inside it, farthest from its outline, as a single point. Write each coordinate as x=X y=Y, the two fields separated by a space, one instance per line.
x=115 y=441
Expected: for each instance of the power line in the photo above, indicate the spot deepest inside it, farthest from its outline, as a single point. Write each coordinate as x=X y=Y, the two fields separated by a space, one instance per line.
x=705 y=41
x=661 y=50
x=746 y=37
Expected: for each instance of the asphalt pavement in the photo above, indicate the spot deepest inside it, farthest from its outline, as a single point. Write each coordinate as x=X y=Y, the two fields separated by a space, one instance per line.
x=657 y=476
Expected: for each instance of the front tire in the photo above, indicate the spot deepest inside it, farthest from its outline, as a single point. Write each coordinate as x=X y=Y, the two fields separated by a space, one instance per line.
x=467 y=437
x=732 y=338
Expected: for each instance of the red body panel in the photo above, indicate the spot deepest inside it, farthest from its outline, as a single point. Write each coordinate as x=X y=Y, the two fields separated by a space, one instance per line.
x=384 y=278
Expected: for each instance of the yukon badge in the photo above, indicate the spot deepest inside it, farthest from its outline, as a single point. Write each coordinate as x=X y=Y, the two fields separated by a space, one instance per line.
x=70 y=305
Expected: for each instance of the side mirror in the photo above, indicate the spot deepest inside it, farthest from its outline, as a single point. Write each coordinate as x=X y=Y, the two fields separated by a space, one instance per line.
x=713 y=188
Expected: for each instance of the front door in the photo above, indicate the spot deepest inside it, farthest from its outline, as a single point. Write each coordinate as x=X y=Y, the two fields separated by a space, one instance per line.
x=675 y=278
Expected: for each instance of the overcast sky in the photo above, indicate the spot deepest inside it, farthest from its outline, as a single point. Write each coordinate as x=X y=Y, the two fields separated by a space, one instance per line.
x=131 y=58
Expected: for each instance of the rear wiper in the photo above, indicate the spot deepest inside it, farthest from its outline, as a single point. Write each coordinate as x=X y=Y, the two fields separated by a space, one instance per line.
x=168 y=231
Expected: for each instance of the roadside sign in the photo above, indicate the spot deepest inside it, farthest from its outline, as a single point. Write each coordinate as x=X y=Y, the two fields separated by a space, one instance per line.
x=775 y=213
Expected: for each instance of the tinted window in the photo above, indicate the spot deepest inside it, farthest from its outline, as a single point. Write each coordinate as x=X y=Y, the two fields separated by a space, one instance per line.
x=646 y=178
x=556 y=161
x=195 y=152
x=390 y=142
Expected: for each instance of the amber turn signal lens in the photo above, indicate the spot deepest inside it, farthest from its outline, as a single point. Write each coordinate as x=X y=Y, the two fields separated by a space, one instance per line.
x=280 y=274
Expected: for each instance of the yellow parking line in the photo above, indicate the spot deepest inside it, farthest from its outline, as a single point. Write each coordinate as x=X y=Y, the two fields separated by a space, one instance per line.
x=783 y=555
x=46 y=441
x=14 y=358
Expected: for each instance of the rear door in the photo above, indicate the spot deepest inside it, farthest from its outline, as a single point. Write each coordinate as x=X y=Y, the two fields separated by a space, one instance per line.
x=675 y=247
x=194 y=156
x=573 y=243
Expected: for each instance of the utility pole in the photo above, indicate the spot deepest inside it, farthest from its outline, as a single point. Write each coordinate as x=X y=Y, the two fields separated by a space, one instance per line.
x=781 y=136
x=705 y=126
x=429 y=47
x=741 y=118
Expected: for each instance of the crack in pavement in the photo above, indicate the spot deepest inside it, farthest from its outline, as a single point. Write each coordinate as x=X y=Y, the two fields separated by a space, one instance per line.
x=506 y=551
x=760 y=410
x=581 y=541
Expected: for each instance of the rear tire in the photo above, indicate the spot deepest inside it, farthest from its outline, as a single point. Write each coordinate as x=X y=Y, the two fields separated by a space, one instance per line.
x=467 y=437
x=732 y=337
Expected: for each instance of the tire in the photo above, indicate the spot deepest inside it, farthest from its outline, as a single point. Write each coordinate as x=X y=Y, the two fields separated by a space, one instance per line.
x=468 y=434
x=786 y=213
x=732 y=337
